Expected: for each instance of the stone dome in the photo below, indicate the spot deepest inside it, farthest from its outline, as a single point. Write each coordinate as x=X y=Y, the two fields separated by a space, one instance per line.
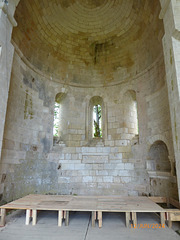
x=89 y=43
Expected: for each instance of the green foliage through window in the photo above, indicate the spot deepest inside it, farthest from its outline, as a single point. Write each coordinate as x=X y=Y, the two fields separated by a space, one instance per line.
x=97 y=114
x=56 y=119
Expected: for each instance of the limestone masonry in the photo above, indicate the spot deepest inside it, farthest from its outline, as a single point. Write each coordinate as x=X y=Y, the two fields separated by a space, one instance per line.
x=123 y=56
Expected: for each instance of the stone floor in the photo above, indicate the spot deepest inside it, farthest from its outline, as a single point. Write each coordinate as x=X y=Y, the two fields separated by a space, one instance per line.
x=80 y=228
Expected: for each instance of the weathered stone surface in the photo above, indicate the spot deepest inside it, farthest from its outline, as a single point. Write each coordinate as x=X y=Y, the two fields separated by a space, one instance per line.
x=109 y=50
x=95 y=159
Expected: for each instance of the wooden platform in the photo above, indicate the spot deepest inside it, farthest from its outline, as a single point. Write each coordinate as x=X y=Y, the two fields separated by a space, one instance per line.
x=95 y=204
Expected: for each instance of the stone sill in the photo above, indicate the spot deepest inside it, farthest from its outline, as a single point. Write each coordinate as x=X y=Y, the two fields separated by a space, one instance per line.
x=162 y=175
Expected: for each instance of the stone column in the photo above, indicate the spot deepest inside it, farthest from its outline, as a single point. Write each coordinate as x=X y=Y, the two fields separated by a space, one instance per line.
x=7 y=23
x=170 y=14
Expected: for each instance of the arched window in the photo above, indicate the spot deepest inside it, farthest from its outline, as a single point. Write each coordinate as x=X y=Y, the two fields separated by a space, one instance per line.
x=97 y=121
x=57 y=116
x=56 y=119
x=96 y=127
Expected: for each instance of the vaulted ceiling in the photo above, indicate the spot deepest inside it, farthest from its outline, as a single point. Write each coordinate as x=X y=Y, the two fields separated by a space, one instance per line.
x=89 y=42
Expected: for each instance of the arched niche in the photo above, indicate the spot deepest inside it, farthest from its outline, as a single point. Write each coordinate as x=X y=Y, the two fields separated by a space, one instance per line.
x=162 y=180
x=158 y=157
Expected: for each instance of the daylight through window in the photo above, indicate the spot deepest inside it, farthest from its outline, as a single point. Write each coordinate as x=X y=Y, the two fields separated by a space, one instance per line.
x=97 y=121
x=56 y=119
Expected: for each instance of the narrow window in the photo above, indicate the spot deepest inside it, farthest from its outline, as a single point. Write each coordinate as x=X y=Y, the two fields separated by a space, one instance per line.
x=135 y=115
x=96 y=128
x=97 y=121
x=0 y=50
x=58 y=116
x=56 y=119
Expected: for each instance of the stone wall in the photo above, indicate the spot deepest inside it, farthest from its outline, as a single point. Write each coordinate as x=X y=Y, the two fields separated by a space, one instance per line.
x=6 y=56
x=171 y=47
x=113 y=165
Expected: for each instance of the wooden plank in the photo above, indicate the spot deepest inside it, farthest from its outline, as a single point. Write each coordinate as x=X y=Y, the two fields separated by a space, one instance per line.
x=174 y=202
x=34 y=217
x=3 y=217
x=132 y=204
x=28 y=214
x=79 y=203
x=100 y=219
x=174 y=216
x=158 y=199
x=128 y=218
x=60 y=217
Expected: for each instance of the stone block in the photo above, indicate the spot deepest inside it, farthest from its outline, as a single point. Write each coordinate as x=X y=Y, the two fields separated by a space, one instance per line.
x=115 y=156
x=87 y=179
x=97 y=166
x=102 y=173
x=106 y=150
x=126 y=179
x=94 y=159
x=107 y=179
x=128 y=166
x=121 y=143
x=68 y=166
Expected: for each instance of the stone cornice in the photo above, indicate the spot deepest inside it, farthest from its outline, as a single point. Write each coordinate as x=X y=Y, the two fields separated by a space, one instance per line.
x=164 y=8
x=4 y=8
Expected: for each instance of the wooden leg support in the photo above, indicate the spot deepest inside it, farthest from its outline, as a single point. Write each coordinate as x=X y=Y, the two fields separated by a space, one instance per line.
x=169 y=220
x=134 y=218
x=100 y=219
x=28 y=216
x=128 y=218
x=60 y=217
x=173 y=216
x=64 y=214
x=67 y=218
x=93 y=217
x=170 y=224
x=3 y=217
x=162 y=215
x=34 y=217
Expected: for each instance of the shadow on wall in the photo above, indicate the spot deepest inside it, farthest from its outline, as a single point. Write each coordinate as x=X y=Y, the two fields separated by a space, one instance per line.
x=159 y=157
x=34 y=175
x=161 y=170
x=131 y=112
